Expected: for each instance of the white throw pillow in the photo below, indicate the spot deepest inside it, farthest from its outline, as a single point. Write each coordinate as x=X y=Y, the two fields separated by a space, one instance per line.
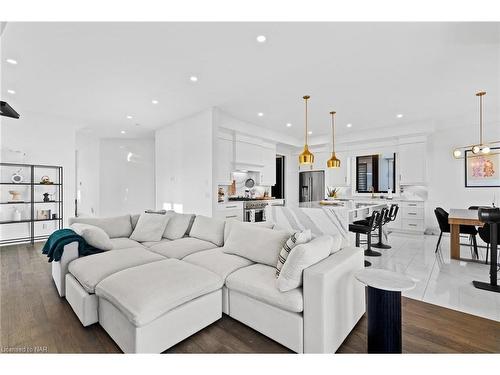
x=93 y=235
x=301 y=257
x=208 y=229
x=336 y=243
x=178 y=225
x=295 y=239
x=149 y=227
x=261 y=245
x=229 y=226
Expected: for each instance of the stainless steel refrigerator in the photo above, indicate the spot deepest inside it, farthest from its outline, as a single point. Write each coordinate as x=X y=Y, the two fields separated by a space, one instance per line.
x=311 y=186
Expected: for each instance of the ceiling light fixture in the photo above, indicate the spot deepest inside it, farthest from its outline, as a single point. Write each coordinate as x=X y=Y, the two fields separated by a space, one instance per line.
x=309 y=132
x=12 y=61
x=11 y=91
x=261 y=38
x=333 y=162
x=483 y=147
x=260 y=114
x=349 y=125
x=154 y=101
x=288 y=125
x=129 y=117
x=123 y=132
x=399 y=115
x=193 y=79
x=306 y=157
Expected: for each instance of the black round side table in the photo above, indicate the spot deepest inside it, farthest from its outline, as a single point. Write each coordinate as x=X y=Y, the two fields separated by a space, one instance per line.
x=384 y=308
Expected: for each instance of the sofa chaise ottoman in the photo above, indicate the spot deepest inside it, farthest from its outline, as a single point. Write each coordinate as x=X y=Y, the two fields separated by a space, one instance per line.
x=86 y=272
x=149 y=308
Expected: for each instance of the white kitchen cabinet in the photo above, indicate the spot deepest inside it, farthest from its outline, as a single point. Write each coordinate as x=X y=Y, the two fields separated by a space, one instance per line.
x=248 y=153
x=338 y=177
x=268 y=172
x=224 y=160
x=411 y=158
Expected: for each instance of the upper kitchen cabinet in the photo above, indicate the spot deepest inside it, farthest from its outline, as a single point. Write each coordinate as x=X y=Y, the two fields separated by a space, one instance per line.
x=411 y=158
x=338 y=177
x=224 y=159
x=248 y=152
x=268 y=172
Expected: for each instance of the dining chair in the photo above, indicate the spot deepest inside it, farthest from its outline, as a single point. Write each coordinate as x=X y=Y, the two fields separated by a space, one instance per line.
x=484 y=233
x=444 y=226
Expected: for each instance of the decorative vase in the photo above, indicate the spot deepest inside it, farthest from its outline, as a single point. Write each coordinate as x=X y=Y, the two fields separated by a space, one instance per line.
x=16 y=215
x=46 y=197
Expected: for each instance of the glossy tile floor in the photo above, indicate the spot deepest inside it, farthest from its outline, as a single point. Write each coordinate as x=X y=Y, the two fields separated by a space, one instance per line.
x=440 y=281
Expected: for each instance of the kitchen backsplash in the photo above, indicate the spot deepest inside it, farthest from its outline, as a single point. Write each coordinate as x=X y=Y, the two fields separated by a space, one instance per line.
x=241 y=178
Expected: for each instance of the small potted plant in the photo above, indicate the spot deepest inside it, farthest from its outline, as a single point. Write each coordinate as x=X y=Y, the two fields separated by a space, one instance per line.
x=332 y=193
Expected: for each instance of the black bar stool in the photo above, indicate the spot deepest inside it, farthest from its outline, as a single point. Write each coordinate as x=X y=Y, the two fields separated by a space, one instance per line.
x=366 y=229
x=388 y=215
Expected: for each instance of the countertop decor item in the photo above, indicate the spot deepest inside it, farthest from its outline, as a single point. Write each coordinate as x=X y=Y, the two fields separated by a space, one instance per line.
x=332 y=193
x=306 y=157
x=333 y=162
x=16 y=215
x=249 y=183
x=46 y=197
x=482 y=148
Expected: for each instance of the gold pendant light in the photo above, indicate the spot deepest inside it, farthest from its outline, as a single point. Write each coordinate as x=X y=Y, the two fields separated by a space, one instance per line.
x=333 y=162
x=306 y=157
x=483 y=148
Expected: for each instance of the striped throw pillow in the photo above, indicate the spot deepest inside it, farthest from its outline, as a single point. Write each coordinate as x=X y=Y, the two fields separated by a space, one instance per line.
x=295 y=239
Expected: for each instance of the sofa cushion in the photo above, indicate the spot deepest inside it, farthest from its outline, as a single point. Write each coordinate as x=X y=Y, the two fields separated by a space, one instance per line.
x=124 y=243
x=90 y=270
x=134 y=219
x=208 y=229
x=93 y=235
x=148 y=244
x=178 y=225
x=150 y=227
x=260 y=245
x=229 y=226
x=218 y=262
x=301 y=257
x=259 y=281
x=145 y=293
x=182 y=247
x=295 y=239
x=118 y=226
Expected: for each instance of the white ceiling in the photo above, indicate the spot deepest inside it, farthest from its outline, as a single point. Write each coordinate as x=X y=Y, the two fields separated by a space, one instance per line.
x=95 y=74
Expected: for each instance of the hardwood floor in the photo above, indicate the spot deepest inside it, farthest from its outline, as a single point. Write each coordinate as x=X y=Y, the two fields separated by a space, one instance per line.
x=33 y=318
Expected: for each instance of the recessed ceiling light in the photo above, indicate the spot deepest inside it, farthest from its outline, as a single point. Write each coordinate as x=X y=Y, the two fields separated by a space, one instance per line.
x=193 y=79
x=261 y=38
x=11 y=92
x=288 y=125
x=309 y=132
x=399 y=115
x=123 y=132
x=260 y=114
x=11 y=61
x=349 y=125
x=129 y=117
x=154 y=101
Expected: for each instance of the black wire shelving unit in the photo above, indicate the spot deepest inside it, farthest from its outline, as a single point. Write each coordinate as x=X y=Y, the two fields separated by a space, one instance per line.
x=33 y=204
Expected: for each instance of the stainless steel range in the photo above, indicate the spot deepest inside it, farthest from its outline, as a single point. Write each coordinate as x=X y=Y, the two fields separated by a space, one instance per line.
x=254 y=211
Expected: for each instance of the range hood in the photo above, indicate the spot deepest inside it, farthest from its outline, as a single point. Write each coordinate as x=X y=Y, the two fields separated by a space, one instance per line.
x=7 y=110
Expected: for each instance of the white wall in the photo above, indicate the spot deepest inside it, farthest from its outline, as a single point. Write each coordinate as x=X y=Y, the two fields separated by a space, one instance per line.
x=127 y=177
x=44 y=140
x=184 y=165
x=87 y=174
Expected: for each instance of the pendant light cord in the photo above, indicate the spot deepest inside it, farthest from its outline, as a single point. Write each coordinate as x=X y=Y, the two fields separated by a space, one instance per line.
x=333 y=131
x=305 y=98
x=481 y=119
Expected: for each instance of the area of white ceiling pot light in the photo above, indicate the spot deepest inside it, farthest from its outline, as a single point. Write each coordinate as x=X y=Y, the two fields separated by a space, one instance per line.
x=349 y=125
x=12 y=92
x=399 y=115
x=193 y=79
x=288 y=125
x=261 y=38
x=123 y=132
x=309 y=132
x=154 y=101
x=260 y=114
x=129 y=117
x=11 y=61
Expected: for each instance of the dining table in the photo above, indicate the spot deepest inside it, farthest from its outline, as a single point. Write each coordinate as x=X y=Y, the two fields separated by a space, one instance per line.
x=457 y=217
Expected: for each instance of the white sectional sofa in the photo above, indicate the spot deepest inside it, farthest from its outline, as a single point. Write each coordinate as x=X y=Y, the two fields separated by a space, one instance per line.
x=150 y=295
